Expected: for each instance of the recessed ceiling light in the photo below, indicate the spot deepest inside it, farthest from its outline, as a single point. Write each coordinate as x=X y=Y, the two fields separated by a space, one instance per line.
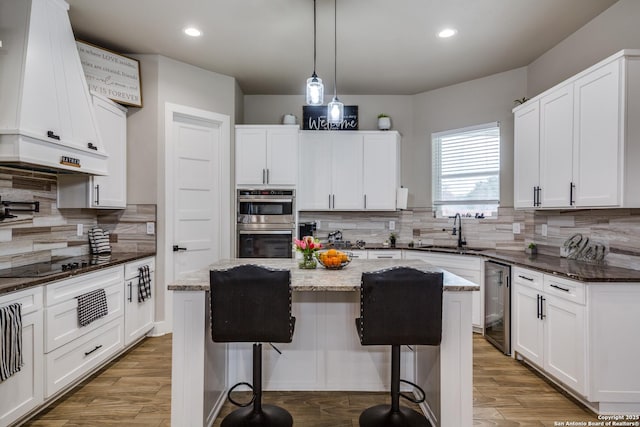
x=447 y=32
x=193 y=32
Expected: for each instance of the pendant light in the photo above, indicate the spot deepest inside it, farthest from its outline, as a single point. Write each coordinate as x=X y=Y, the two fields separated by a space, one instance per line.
x=315 y=88
x=335 y=109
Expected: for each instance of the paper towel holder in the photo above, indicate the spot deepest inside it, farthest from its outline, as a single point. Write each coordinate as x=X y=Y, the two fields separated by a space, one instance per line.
x=402 y=194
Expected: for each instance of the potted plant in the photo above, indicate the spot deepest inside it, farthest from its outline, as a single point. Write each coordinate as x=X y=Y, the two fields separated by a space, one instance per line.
x=532 y=249
x=392 y=240
x=384 y=122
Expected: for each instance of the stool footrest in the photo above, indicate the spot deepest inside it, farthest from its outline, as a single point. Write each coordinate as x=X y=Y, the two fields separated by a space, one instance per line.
x=410 y=398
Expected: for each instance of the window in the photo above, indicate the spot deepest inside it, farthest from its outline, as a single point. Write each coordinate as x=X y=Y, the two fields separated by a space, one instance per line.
x=466 y=170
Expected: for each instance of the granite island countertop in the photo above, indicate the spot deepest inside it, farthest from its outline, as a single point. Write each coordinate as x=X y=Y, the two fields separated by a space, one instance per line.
x=321 y=279
x=11 y=284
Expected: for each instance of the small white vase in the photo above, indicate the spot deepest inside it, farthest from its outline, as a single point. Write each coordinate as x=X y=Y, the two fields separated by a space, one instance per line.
x=384 y=123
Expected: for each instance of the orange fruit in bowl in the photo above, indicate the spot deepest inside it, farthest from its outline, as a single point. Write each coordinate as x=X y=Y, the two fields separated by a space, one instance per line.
x=331 y=252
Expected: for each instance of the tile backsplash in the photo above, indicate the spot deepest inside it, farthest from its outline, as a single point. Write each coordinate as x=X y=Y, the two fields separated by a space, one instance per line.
x=617 y=229
x=51 y=232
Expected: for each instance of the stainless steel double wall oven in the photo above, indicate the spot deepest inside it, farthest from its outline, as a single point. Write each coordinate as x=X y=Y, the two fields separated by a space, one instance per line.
x=265 y=223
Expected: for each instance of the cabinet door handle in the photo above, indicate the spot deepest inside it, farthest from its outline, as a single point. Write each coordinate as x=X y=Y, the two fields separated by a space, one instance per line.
x=539 y=202
x=560 y=288
x=86 y=353
x=90 y=146
x=51 y=134
x=329 y=201
x=535 y=196
x=525 y=277
x=97 y=194
x=267 y=176
x=572 y=187
x=263 y=176
x=130 y=293
x=538 y=306
x=177 y=248
x=542 y=300
x=384 y=257
x=365 y=201
x=333 y=200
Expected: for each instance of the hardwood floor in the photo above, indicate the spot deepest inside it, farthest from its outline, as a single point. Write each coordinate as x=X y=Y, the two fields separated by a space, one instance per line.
x=136 y=390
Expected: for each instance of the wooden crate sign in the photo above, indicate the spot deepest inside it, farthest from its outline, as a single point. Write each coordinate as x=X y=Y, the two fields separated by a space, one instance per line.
x=315 y=118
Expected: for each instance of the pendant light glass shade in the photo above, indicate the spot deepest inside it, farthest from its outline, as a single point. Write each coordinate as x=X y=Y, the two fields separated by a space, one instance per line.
x=315 y=88
x=335 y=111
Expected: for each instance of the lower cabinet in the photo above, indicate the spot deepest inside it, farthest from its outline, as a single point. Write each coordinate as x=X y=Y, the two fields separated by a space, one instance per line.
x=138 y=314
x=23 y=391
x=549 y=325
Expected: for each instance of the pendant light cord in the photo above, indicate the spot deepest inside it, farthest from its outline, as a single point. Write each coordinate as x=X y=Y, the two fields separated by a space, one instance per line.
x=335 y=48
x=314 y=38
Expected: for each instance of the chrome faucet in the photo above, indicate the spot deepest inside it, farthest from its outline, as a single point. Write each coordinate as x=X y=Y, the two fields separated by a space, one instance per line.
x=458 y=231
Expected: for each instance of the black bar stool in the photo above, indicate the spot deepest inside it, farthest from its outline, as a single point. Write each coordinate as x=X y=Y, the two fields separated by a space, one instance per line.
x=250 y=303
x=399 y=306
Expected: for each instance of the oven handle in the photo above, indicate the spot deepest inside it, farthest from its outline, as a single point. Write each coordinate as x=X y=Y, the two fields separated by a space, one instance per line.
x=265 y=232
x=256 y=200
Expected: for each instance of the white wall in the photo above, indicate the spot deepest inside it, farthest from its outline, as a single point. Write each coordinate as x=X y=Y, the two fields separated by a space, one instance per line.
x=167 y=80
x=470 y=103
x=614 y=29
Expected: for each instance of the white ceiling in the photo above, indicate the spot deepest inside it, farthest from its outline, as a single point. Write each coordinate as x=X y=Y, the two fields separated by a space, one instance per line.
x=384 y=46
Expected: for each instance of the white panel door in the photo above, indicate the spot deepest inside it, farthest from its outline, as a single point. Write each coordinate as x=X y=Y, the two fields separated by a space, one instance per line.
x=380 y=171
x=596 y=161
x=196 y=187
x=346 y=170
x=528 y=339
x=526 y=167
x=556 y=147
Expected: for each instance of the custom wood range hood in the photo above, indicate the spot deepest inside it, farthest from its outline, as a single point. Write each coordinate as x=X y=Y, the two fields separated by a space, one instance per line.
x=47 y=121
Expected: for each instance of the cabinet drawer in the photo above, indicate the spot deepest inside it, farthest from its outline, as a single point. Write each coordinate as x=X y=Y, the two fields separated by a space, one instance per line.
x=131 y=268
x=73 y=360
x=383 y=254
x=68 y=289
x=61 y=320
x=569 y=290
x=448 y=261
x=31 y=299
x=530 y=278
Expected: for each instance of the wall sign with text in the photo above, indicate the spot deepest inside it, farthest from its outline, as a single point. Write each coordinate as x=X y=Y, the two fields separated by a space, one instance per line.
x=315 y=118
x=110 y=74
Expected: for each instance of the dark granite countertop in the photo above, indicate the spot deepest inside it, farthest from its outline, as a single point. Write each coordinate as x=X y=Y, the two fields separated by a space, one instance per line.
x=15 y=284
x=562 y=267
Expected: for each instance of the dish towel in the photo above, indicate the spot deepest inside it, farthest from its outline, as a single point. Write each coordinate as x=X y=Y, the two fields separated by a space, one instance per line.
x=99 y=241
x=144 y=283
x=11 y=334
x=92 y=306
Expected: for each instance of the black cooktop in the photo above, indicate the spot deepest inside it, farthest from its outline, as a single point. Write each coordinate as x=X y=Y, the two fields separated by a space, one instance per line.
x=43 y=269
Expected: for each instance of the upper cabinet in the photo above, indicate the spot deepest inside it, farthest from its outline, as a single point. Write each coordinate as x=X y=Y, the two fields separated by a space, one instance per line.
x=101 y=192
x=46 y=117
x=266 y=155
x=348 y=170
x=576 y=144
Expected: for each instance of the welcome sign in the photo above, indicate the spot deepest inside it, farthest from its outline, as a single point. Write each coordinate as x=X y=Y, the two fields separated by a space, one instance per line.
x=315 y=118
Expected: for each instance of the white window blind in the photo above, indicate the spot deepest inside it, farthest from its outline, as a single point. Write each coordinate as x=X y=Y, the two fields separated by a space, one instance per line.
x=466 y=170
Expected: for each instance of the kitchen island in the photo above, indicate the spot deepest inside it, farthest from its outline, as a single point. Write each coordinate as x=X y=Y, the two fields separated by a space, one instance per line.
x=325 y=353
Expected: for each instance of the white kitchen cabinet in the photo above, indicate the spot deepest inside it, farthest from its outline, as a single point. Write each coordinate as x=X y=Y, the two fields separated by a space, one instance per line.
x=350 y=171
x=550 y=326
x=526 y=168
x=138 y=315
x=266 y=155
x=23 y=391
x=381 y=172
x=101 y=192
x=385 y=254
x=71 y=350
x=586 y=139
x=45 y=93
x=470 y=268
x=556 y=145
x=330 y=169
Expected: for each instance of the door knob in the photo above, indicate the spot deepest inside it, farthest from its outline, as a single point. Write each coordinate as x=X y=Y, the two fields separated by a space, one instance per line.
x=177 y=248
